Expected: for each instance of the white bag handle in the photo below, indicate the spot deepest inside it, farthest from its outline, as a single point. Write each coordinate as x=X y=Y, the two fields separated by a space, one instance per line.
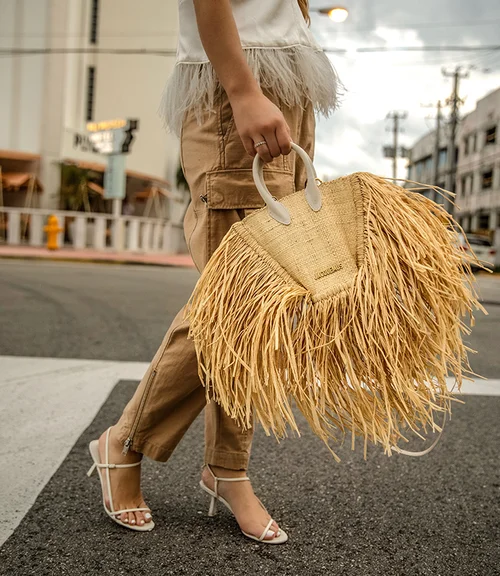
x=276 y=209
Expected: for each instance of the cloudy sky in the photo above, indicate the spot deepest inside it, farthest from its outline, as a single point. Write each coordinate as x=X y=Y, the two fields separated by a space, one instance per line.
x=378 y=83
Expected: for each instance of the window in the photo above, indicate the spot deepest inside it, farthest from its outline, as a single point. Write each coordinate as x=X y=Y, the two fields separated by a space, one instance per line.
x=443 y=157
x=90 y=94
x=484 y=223
x=419 y=166
x=464 y=185
x=466 y=146
x=487 y=179
x=94 y=21
x=474 y=142
x=491 y=135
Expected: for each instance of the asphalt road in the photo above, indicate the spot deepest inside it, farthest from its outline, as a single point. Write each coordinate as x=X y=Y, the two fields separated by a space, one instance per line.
x=432 y=516
x=90 y=311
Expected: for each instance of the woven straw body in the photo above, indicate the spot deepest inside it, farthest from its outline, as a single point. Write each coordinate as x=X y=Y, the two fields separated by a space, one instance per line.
x=352 y=312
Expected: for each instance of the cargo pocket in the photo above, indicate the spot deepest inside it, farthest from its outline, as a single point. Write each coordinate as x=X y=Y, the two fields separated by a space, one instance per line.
x=231 y=195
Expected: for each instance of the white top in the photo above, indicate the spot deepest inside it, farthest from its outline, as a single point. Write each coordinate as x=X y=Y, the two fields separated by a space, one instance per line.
x=281 y=52
x=260 y=23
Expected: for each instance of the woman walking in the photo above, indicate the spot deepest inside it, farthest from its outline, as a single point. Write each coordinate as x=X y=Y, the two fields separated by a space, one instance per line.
x=248 y=78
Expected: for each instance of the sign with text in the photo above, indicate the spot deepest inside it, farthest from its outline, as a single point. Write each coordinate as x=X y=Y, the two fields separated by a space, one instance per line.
x=112 y=136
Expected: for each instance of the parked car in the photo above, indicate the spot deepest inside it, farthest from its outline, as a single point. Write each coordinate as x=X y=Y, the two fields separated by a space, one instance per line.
x=482 y=248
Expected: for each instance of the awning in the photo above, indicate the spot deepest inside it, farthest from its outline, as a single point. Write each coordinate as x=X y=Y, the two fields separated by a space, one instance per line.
x=95 y=188
x=98 y=167
x=15 y=155
x=18 y=180
x=150 y=192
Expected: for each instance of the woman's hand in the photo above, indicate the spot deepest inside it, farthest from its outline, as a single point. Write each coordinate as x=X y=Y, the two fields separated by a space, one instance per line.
x=257 y=119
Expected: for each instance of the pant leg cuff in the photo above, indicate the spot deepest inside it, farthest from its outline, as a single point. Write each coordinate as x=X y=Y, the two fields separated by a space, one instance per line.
x=231 y=460
x=141 y=446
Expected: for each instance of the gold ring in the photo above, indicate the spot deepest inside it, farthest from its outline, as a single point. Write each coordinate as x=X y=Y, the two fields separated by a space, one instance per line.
x=259 y=144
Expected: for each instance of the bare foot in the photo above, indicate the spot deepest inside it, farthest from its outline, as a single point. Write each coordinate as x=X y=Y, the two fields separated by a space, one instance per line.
x=125 y=482
x=248 y=510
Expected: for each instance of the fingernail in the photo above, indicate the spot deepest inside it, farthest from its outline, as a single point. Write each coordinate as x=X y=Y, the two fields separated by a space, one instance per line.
x=270 y=534
x=125 y=520
x=141 y=522
x=278 y=533
x=132 y=522
x=147 y=516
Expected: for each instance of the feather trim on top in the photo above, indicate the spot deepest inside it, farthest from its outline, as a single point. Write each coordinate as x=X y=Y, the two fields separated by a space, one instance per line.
x=290 y=74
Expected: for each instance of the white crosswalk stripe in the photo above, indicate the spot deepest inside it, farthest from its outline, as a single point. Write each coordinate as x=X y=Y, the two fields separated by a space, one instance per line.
x=46 y=405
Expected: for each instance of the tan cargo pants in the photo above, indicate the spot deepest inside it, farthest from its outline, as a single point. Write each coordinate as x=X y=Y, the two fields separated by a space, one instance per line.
x=219 y=173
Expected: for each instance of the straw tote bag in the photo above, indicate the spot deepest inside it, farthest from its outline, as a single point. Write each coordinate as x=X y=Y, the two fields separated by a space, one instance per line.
x=345 y=298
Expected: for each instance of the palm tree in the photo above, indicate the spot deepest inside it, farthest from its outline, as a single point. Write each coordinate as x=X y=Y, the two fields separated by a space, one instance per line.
x=74 y=191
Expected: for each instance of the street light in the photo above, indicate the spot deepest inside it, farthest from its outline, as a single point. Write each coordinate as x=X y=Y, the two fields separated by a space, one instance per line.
x=335 y=13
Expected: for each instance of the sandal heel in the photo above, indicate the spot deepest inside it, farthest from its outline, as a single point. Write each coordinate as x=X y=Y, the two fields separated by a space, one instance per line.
x=212 y=510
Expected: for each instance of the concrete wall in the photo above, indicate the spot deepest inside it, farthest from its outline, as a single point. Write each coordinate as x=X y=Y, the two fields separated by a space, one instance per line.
x=131 y=86
x=43 y=98
x=23 y=24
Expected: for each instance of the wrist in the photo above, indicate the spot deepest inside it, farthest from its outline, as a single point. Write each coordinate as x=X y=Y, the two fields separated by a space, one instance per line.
x=239 y=90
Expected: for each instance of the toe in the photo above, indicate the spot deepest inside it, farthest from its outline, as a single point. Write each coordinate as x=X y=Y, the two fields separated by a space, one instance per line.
x=139 y=518
x=148 y=517
x=124 y=517
x=273 y=531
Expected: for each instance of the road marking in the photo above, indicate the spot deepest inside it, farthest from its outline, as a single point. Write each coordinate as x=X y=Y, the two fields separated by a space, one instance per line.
x=46 y=405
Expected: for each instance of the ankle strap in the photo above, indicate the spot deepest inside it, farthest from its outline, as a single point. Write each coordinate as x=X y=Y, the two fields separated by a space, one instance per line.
x=217 y=479
x=118 y=465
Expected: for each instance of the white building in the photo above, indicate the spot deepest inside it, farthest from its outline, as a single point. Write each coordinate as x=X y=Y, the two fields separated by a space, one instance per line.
x=422 y=163
x=46 y=99
x=478 y=166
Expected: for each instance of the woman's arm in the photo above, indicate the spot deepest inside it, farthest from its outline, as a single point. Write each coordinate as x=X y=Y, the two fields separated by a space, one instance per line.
x=255 y=116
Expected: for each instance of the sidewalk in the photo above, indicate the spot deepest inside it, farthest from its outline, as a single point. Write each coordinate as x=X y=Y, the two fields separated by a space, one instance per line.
x=158 y=259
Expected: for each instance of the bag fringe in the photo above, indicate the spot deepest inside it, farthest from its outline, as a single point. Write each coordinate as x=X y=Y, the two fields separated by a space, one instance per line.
x=370 y=361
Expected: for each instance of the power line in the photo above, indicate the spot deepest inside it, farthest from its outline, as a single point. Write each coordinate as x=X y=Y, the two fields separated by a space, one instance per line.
x=426 y=48
x=175 y=32
x=425 y=25
x=173 y=51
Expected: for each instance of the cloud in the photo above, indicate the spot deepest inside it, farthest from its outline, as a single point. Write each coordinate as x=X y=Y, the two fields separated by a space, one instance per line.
x=377 y=83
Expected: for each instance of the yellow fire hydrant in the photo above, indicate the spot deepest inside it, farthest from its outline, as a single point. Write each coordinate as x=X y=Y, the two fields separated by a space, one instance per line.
x=52 y=229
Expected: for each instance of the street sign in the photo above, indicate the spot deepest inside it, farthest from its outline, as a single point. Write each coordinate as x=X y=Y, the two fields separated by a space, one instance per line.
x=115 y=178
x=114 y=136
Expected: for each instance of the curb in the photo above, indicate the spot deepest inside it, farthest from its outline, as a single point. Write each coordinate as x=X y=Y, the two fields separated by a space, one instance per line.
x=119 y=262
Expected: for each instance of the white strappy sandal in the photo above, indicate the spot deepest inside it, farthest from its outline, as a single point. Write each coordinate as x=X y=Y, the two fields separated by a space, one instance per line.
x=94 y=452
x=212 y=511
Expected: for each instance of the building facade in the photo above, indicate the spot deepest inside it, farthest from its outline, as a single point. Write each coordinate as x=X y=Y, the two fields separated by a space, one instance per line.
x=422 y=163
x=477 y=182
x=75 y=77
x=478 y=167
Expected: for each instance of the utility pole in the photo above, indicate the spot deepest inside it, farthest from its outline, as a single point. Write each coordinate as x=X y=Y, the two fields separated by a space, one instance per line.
x=393 y=152
x=435 y=176
x=454 y=102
